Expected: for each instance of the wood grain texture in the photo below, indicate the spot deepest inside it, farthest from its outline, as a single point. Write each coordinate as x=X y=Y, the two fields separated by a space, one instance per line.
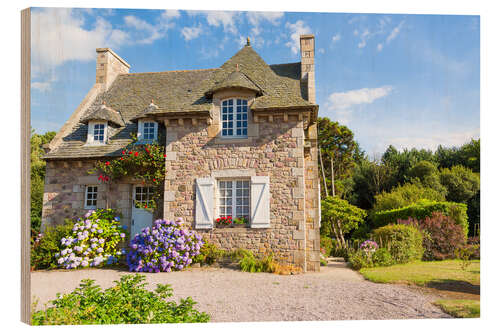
x=25 y=164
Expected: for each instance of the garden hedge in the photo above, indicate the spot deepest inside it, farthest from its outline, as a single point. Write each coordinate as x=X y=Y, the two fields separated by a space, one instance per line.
x=404 y=242
x=422 y=209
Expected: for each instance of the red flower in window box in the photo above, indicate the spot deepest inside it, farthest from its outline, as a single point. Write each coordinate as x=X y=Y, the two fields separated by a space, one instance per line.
x=123 y=152
x=107 y=162
x=136 y=154
x=224 y=220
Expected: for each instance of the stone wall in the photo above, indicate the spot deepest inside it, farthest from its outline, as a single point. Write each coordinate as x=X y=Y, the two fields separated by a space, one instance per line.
x=64 y=192
x=277 y=151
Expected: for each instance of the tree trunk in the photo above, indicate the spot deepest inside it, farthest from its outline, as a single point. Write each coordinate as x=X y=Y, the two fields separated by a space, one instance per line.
x=342 y=240
x=333 y=177
x=323 y=171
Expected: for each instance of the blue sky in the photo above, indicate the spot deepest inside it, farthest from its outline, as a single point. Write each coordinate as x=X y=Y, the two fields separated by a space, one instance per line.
x=405 y=80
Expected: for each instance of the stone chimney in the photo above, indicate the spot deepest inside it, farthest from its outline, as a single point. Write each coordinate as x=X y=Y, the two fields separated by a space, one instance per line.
x=307 y=66
x=109 y=66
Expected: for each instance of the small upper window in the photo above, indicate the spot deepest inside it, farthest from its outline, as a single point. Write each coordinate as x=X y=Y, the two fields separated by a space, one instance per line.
x=90 y=197
x=148 y=131
x=97 y=132
x=234 y=117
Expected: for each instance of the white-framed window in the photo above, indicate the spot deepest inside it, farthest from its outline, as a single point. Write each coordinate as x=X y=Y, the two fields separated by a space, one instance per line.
x=234 y=117
x=97 y=132
x=143 y=195
x=90 y=197
x=234 y=198
x=148 y=131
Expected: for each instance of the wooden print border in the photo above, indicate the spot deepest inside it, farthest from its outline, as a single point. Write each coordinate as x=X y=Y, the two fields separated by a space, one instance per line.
x=25 y=163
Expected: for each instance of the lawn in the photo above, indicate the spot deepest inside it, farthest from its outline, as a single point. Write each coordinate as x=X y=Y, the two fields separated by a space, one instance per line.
x=446 y=275
x=460 y=308
x=424 y=273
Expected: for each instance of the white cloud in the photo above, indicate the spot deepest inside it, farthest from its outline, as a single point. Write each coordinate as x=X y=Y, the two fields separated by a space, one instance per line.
x=298 y=28
x=362 y=44
x=153 y=32
x=321 y=50
x=255 y=19
x=171 y=14
x=225 y=18
x=423 y=138
x=342 y=102
x=57 y=35
x=191 y=32
x=380 y=46
x=336 y=37
x=395 y=32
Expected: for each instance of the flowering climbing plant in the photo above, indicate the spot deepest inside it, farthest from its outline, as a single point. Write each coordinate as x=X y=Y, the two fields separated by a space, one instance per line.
x=94 y=241
x=143 y=162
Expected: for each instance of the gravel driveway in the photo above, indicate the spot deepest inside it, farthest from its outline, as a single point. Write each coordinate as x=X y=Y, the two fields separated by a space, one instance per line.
x=228 y=295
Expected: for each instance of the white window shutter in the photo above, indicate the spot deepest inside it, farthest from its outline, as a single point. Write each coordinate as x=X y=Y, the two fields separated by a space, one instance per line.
x=140 y=129
x=90 y=133
x=204 y=210
x=260 y=202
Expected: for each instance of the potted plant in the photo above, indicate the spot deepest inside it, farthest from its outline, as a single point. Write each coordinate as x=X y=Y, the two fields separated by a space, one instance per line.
x=224 y=222
x=240 y=222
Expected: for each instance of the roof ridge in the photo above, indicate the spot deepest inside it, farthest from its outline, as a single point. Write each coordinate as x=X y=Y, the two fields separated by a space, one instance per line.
x=285 y=63
x=174 y=71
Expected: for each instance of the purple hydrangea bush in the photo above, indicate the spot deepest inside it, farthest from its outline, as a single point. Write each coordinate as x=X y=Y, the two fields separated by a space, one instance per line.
x=93 y=242
x=164 y=247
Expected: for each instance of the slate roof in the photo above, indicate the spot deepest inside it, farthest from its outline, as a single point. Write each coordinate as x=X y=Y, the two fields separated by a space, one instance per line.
x=187 y=91
x=104 y=113
x=235 y=80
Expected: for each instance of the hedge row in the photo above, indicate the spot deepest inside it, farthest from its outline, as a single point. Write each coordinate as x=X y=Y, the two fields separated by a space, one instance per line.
x=404 y=242
x=421 y=210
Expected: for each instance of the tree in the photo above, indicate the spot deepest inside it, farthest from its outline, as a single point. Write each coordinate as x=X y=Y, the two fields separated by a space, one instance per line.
x=460 y=182
x=403 y=161
x=427 y=174
x=338 y=151
x=404 y=195
x=371 y=178
x=468 y=155
x=38 y=175
x=340 y=217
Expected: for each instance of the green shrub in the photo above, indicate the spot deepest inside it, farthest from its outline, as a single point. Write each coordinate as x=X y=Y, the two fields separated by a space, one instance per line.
x=405 y=195
x=323 y=262
x=249 y=263
x=209 y=254
x=44 y=249
x=422 y=209
x=128 y=302
x=382 y=257
x=326 y=245
x=358 y=259
x=404 y=242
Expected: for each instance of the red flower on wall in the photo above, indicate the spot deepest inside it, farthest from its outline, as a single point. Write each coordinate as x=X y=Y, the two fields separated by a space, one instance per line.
x=107 y=162
x=136 y=154
x=123 y=152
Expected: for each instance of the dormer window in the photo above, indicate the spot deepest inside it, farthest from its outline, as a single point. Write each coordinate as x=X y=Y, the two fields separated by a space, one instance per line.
x=234 y=117
x=148 y=131
x=97 y=132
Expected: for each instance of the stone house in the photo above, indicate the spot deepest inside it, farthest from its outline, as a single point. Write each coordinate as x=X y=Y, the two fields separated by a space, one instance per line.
x=240 y=140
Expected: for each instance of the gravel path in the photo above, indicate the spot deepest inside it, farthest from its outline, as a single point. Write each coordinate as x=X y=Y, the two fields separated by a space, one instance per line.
x=335 y=293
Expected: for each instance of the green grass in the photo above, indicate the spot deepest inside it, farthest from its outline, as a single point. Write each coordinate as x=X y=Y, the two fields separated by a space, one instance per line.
x=460 y=308
x=422 y=273
x=435 y=274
